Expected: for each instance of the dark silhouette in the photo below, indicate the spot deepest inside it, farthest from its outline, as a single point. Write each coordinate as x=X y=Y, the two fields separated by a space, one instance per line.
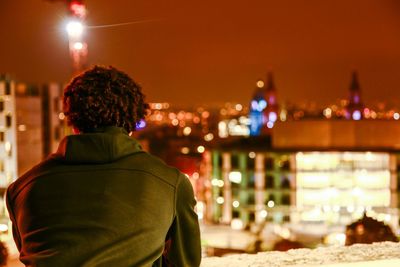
x=100 y=200
x=368 y=230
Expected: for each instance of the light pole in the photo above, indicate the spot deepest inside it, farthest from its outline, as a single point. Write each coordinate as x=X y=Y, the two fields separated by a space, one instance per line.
x=76 y=29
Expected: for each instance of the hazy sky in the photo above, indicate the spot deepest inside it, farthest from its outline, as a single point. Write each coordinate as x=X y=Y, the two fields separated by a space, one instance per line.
x=214 y=51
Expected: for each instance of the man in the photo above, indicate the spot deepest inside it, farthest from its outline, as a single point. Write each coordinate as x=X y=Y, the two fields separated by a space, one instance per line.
x=100 y=200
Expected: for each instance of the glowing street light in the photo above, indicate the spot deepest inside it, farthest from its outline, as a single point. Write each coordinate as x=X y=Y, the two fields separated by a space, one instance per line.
x=75 y=29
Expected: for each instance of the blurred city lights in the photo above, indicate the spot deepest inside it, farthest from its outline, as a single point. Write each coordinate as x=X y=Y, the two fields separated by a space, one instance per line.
x=78 y=46
x=187 y=130
x=185 y=150
x=260 y=84
x=200 y=149
x=263 y=213
x=235 y=177
x=271 y=204
x=209 y=137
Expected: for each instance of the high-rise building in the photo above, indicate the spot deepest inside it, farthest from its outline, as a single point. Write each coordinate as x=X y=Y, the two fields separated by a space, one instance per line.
x=54 y=125
x=8 y=146
x=29 y=126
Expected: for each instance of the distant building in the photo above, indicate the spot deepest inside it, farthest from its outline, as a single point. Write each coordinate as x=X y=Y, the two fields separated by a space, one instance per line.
x=316 y=174
x=54 y=123
x=29 y=126
x=8 y=146
x=41 y=123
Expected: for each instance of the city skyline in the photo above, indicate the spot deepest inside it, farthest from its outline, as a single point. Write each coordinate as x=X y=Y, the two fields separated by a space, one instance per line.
x=220 y=50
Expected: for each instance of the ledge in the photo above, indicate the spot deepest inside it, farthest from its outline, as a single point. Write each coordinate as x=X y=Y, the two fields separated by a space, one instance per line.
x=378 y=254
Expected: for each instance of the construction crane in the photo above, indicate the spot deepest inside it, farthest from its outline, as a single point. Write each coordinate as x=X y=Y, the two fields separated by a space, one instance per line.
x=76 y=32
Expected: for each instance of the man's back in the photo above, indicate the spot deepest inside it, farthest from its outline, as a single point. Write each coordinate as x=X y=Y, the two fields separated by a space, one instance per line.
x=101 y=201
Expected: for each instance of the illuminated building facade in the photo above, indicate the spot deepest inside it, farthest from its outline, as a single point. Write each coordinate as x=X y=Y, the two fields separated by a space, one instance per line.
x=319 y=174
x=8 y=147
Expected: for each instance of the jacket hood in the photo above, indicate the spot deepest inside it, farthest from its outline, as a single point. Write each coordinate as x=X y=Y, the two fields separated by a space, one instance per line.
x=103 y=146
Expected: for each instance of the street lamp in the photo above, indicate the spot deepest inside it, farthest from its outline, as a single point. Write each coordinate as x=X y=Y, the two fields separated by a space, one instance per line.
x=75 y=29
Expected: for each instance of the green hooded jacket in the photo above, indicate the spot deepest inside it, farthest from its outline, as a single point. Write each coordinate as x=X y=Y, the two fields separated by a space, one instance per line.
x=102 y=201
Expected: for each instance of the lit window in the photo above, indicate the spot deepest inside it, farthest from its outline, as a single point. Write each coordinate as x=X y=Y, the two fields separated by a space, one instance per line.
x=235 y=177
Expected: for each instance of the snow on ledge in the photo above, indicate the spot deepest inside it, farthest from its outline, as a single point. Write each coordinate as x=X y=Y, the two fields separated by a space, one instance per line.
x=388 y=252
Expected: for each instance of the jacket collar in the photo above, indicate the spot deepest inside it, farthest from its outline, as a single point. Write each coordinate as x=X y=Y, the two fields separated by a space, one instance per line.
x=101 y=146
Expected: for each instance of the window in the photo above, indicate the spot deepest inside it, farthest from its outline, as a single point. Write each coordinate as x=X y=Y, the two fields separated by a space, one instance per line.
x=285 y=184
x=270 y=198
x=8 y=120
x=269 y=163
x=1 y=105
x=251 y=181
x=269 y=182
x=8 y=88
x=252 y=217
x=251 y=200
x=285 y=200
x=235 y=214
x=285 y=165
x=1 y=136
x=7 y=148
x=235 y=161
x=250 y=163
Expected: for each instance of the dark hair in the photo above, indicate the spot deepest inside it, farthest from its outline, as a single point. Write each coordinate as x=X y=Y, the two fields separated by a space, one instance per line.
x=103 y=96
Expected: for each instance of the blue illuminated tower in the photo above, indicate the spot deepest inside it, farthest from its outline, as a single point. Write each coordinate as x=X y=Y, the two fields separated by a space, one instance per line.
x=257 y=105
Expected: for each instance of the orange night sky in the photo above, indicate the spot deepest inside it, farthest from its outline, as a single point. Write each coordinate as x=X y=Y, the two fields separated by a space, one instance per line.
x=193 y=52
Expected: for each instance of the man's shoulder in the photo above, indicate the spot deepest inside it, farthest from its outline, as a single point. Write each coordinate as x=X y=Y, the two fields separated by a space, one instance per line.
x=154 y=166
x=29 y=176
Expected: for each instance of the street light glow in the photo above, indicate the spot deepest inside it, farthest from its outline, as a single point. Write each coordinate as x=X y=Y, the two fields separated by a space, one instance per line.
x=75 y=29
x=78 y=46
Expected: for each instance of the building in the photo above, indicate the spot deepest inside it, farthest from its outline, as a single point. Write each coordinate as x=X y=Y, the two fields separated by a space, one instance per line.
x=8 y=147
x=314 y=175
x=29 y=126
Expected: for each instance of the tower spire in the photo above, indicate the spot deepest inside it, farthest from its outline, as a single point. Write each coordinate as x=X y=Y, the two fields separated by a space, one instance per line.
x=355 y=85
x=270 y=81
x=355 y=106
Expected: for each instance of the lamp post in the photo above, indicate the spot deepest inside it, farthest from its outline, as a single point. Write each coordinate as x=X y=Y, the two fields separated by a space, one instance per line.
x=76 y=29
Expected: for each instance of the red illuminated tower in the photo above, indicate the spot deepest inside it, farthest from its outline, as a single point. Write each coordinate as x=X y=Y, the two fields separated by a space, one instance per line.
x=272 y=108
x=75 y=28
x=354 y=109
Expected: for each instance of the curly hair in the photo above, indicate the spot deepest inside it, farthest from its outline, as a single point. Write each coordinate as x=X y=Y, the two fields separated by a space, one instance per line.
x=103 y=96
